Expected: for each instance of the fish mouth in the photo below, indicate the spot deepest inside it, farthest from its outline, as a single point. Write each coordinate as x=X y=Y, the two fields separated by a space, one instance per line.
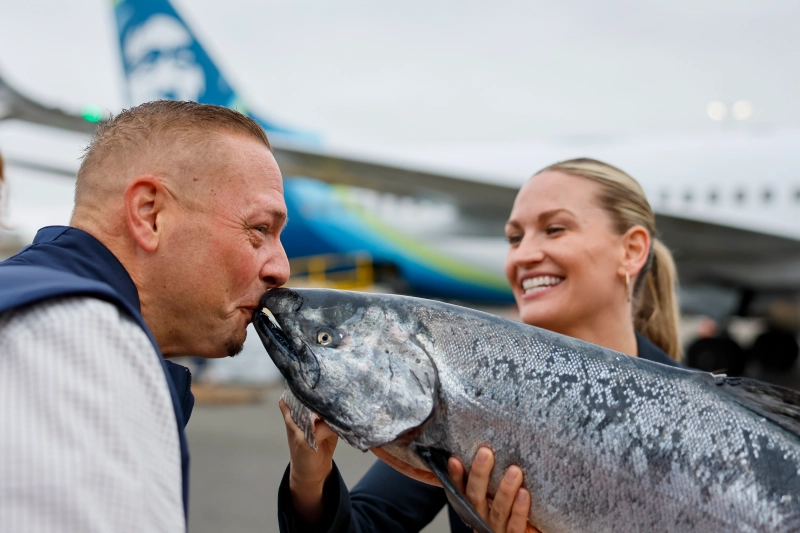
x=291 y=358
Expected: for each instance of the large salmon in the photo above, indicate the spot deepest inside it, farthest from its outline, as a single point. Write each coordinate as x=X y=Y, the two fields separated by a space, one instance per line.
x=607 y=442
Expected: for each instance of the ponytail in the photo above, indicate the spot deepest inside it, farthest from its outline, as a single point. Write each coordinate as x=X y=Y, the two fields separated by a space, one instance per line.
x=655 y=310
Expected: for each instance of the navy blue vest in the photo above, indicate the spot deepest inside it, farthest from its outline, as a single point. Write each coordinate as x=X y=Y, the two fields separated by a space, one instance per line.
x=64 y=261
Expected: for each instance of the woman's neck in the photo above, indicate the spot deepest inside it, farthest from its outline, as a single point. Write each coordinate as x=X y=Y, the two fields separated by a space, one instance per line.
x=611 y=330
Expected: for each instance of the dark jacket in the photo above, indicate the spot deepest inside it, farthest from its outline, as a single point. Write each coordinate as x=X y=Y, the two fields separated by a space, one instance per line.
x=387 y=501
x=64 y=261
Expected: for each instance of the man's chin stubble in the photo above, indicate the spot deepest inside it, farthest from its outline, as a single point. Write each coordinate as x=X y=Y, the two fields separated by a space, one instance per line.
x=234 y=347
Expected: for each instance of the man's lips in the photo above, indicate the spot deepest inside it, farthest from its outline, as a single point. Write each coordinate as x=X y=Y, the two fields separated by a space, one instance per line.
x=249 y=310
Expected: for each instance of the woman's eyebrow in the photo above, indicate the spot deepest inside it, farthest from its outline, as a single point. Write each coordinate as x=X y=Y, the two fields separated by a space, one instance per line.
x=513 y=224
x=549 y=214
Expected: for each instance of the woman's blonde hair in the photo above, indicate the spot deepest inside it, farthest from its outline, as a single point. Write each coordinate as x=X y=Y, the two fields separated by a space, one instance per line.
x=655 y=305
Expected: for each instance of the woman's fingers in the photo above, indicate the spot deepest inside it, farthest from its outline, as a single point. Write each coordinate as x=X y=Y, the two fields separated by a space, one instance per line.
x=503 y=503
x=321 y=430
x=456 y=471
x=478 y=480
x=292 y=430
x=520 y=509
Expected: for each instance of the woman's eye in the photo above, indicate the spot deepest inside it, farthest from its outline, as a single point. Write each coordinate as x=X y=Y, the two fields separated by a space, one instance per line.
x=513 y=239
x=552 y=230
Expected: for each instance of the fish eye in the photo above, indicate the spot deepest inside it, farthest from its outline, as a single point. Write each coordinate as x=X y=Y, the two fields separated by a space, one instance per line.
x=324 y=337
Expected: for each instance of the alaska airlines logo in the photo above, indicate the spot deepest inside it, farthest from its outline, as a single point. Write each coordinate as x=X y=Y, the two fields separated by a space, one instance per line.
x=161 y=64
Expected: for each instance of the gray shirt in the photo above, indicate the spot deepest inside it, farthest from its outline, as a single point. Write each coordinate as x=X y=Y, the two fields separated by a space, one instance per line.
x=88 y=438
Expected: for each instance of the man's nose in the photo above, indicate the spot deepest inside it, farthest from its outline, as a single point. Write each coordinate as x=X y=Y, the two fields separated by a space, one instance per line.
x=275 y=272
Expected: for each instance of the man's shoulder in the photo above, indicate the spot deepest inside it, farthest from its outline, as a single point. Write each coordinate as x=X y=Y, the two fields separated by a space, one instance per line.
x=24 y=284
x=69 y=314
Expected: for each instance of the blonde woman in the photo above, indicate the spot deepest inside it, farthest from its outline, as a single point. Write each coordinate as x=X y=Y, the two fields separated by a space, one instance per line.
x=584 y=261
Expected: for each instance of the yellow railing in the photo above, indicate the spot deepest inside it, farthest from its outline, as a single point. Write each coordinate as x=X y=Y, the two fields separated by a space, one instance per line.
x=335 y=271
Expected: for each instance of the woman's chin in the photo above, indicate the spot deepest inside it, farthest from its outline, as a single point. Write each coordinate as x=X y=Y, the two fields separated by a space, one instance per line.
x=542 y=315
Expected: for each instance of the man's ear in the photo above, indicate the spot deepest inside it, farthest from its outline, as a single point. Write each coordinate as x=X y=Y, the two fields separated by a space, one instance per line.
x=144 y=204
x=636 y=247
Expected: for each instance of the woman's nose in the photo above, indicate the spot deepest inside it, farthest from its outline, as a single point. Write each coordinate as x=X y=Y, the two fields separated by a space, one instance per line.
x=529 y=251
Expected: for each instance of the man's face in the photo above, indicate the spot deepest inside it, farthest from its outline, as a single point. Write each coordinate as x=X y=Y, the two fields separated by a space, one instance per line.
x=224 y=249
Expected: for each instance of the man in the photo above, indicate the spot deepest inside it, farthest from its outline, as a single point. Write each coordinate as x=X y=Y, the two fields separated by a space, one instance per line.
x=174 y=238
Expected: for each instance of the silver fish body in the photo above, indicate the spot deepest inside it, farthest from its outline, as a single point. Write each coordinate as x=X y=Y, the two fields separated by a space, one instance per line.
x=607 y=442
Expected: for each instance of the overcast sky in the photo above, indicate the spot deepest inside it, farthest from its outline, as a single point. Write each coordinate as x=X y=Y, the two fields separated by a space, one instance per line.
x=455 y=84
x=444 y=72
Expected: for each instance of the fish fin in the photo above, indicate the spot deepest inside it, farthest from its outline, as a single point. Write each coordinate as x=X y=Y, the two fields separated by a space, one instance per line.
x=779 y=405
x=302 y=416
x=437 y=461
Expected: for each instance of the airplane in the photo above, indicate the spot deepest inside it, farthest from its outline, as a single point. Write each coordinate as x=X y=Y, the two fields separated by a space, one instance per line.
x=727 y=203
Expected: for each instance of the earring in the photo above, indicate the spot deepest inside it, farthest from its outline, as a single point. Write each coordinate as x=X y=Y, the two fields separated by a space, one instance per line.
x=628 y=285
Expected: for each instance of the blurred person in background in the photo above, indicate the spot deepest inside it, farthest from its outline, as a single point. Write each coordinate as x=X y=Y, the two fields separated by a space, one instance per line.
x=174 y=237
x=583 y=261
x=2 y=190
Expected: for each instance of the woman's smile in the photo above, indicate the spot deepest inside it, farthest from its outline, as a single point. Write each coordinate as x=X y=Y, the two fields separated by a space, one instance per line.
x=538 y=285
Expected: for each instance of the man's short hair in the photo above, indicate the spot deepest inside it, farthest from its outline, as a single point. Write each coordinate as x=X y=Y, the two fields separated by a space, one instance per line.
x=137 y=129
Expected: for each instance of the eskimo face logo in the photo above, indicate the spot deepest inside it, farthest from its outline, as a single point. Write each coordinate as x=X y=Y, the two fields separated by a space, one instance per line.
x=160 y=62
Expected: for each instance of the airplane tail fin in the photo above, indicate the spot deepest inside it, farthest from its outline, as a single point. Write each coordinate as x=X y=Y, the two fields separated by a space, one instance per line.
x=163 y=59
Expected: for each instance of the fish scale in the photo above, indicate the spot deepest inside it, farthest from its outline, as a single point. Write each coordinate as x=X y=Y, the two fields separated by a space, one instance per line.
x=607 y=442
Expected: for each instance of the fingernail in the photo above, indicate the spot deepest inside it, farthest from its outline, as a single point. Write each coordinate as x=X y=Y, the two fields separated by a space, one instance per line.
x=521 y=495
x=511 y=475
x=482 y=457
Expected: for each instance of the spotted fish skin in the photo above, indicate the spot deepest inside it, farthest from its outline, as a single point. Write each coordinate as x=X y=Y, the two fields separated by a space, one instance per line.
x=607 y=442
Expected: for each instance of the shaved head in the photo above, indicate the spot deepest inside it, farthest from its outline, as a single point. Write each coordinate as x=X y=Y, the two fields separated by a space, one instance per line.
x=168 y=139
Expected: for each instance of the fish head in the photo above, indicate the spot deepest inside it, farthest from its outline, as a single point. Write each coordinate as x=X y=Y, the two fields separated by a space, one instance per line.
x=351 y=359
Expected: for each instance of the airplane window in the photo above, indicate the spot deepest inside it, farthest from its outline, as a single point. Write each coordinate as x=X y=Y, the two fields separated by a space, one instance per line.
x=665 y=195
x=713 y=196
x=767 y=195
x=688 y=196
x=797 y=195
x=740 y=195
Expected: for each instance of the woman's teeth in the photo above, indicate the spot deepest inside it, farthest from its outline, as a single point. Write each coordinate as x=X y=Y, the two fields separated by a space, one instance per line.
x=540 y=283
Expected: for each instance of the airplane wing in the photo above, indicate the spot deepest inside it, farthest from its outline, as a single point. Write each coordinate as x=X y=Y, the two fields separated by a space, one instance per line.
x=473 y=198
x=14 y=105
x=723 y=255
x=41 y=167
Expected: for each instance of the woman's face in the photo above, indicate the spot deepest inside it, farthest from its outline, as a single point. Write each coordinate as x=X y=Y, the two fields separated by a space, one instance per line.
x=564 y=260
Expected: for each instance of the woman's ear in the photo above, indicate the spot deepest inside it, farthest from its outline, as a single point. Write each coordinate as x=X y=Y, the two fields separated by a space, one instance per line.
x=144 y=204
x=636 y=247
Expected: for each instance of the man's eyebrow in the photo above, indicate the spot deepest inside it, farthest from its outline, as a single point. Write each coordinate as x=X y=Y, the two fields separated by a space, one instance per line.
x=280 y=216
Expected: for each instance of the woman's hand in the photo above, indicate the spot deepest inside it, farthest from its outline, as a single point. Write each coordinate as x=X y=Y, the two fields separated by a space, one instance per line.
x=309 y=469
x=508 y=512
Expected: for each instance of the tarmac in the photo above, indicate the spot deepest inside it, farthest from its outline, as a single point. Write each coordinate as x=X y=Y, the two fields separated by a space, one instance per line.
x=238 y=457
